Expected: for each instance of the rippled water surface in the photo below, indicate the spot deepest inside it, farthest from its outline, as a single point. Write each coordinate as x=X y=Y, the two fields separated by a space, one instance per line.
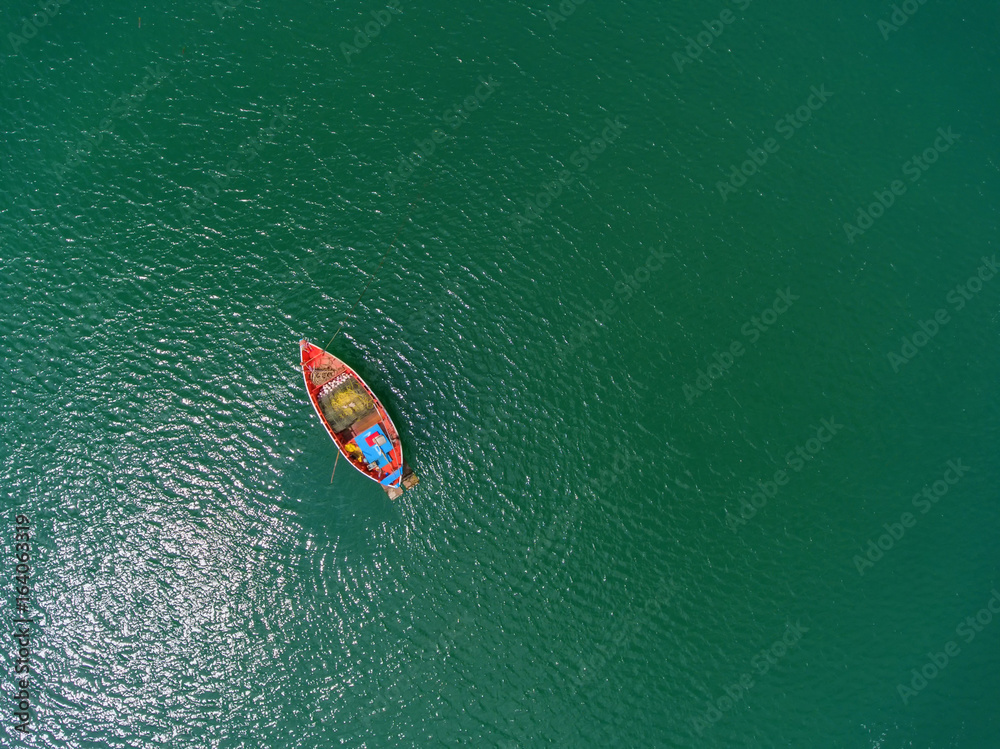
x=665 y=454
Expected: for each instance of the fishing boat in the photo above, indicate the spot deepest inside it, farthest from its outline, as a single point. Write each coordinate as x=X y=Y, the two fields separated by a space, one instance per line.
x=355 y=420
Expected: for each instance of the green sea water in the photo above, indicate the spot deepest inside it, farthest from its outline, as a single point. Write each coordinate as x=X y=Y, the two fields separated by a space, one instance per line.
x=689 y=322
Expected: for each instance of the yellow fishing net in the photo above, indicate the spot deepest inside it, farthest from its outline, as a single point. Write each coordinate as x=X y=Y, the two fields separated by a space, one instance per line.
x=345 y=403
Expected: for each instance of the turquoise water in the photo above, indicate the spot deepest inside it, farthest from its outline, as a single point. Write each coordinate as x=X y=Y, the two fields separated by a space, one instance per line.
x=639 y=363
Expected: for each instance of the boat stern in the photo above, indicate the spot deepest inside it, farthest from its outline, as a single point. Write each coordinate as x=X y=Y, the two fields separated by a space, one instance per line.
x=408 y=481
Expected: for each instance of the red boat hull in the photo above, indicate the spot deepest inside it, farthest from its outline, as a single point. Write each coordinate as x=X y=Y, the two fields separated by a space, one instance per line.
x=354 y=418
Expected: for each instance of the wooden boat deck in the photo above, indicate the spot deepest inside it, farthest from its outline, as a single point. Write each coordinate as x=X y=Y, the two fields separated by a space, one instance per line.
x=364 y=433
